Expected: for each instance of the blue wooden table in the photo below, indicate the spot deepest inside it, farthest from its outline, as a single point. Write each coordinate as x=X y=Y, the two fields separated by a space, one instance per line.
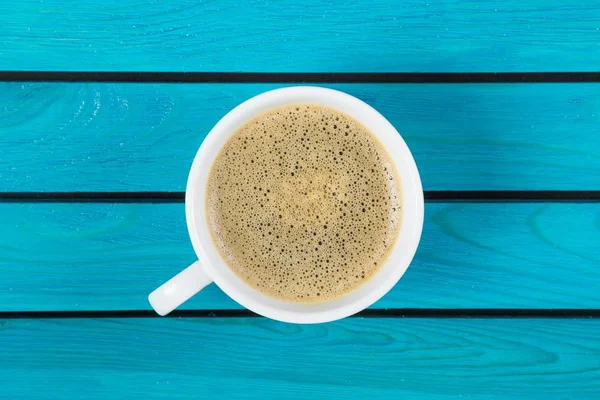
x=99 y=126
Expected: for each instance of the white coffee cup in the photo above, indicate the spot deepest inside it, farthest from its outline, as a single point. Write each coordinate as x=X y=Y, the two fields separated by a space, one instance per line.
x=212 y=268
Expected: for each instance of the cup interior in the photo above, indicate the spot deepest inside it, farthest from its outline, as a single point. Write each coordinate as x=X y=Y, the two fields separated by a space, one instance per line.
x=401 y=254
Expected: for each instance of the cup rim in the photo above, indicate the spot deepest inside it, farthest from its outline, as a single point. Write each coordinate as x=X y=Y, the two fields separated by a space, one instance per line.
x=216 y=267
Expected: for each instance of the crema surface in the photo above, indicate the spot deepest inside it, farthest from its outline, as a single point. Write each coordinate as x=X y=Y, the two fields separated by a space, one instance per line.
x=303 y=203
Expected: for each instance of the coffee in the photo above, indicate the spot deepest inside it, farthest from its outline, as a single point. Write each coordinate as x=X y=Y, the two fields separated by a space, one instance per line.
x=303 y=203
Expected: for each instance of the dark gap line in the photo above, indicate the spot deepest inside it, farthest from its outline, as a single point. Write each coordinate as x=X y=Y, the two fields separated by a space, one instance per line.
x=369 y=313
x=430 y=196
x=513 y=195
x=299 y=77
x=92 y=197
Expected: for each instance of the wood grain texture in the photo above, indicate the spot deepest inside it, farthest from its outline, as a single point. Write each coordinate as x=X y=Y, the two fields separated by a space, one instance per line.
x=136 y=137
x=421 y=359
x=110 y=256
x=300 y=35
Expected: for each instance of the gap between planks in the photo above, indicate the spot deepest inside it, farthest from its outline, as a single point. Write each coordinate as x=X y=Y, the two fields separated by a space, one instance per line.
x=179 y=197
x=299 y=77
x=369 y=313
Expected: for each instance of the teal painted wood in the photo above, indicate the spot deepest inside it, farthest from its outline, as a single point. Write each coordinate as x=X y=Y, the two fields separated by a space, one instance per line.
x=128 y=137
x=421 y=359
x=109 y=256
x=301 y=35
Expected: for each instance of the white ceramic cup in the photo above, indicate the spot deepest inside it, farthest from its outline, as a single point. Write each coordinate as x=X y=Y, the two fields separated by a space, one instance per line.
x=212 y=268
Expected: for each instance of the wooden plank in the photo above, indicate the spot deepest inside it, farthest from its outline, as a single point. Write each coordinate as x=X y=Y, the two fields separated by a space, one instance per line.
x=109 y=256
x=257 y=358
x=131 y=137
x=307 y=35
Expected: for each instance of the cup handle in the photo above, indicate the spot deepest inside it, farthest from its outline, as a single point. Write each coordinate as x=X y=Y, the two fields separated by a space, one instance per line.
x=179 y=289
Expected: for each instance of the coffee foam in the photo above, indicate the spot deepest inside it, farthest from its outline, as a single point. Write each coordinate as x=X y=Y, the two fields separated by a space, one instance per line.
x=303 y=203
